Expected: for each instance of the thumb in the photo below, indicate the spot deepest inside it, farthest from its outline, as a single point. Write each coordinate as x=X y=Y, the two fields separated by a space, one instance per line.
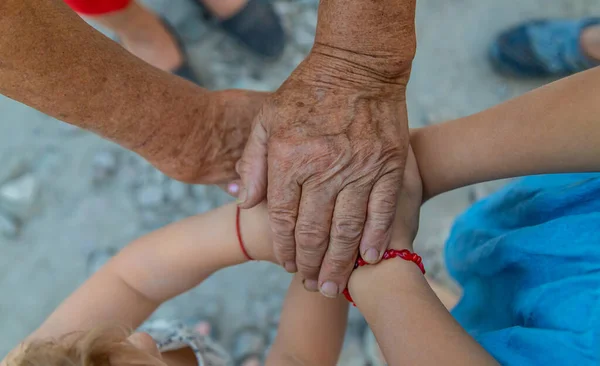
x=252 y=168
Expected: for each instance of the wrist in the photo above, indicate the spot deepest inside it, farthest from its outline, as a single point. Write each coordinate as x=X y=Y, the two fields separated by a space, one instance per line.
x=350 y=70
x=377 y=37
x=254 y=233
x=175 y=149
x=441 y=167
x=386 y=72
x=394 y=278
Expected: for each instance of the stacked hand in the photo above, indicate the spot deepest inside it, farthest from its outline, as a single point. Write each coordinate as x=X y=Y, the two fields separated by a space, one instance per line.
x=328 y=152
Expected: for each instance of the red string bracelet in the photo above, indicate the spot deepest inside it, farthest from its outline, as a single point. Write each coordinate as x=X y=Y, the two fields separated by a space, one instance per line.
x=239 y=235
x=405 y=254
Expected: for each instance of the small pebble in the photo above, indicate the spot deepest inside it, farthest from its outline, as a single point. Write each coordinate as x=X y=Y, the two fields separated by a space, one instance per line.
x=104 y=166
x=49 y=163
x=352 y=353
x=304 y=36
x=248 y=341
x=252 y=85
x=150 y=196
x=13 y=166
x=212 y=308
x=200 y=191
x=176 y=191
x=9 y=226
x=203 y=206
x=355 y=317
x=371 y=349
x=258 y=311
x=68 y=129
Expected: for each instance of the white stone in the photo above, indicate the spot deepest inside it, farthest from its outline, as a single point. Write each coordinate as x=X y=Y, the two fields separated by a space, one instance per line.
x=19 y=196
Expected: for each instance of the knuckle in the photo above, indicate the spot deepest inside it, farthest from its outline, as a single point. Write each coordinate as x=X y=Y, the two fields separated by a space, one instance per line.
x=311 y=240
x=339 y=266
x=382 y=218
x=284 y=249
x=347 y=231
x=282 y=220
x=307 y=269
x=379 y=236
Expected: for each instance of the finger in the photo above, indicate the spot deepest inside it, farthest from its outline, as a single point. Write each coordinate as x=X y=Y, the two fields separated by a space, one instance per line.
x=381 y=212
x=252 y=168
x=284 y=197
x=346 y=231
x=312 y=232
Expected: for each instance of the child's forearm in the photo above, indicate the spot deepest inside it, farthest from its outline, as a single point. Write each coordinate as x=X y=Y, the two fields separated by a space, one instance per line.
x=410 y=323
x=311 y=330
x=553 y=129
x=180 y=256
x=158 y=267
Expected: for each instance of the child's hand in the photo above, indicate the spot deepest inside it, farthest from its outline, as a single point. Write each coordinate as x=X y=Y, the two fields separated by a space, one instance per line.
x=406 y=223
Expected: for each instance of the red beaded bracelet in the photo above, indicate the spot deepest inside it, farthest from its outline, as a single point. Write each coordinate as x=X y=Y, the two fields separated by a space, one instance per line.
x=405 y=254
x=239 y=235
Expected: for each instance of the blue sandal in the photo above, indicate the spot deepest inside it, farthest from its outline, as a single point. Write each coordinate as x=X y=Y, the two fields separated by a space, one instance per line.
x=542 y=48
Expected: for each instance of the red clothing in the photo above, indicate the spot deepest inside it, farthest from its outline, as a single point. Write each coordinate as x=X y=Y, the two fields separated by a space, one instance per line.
x=97 y=7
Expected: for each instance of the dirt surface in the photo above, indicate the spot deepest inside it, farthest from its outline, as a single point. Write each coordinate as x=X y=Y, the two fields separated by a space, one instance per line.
x=65 y=194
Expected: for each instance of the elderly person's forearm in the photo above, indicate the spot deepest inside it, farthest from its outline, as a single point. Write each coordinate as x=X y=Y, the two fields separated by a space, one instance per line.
x=53 y=61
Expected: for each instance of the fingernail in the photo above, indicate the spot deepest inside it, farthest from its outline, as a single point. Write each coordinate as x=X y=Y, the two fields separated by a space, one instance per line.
x=329 y=289
x=233 y=188
x=371 y=255
x=242 y=196
x=290 y=267
x=311 y=285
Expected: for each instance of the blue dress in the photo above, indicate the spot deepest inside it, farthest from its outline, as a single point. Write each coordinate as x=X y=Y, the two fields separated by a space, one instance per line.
x=528 y=260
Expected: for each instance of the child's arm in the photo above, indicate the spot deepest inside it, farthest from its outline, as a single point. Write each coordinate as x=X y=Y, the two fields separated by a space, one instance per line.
x=311 y=329
x=411 y=324
x=553 y=129
x=159 y=266
x=174 y=259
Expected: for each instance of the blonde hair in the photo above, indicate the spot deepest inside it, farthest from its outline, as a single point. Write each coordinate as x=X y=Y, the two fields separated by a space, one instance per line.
x=99 y=347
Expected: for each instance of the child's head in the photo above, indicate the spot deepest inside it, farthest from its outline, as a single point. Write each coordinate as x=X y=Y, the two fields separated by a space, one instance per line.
x=112 y=347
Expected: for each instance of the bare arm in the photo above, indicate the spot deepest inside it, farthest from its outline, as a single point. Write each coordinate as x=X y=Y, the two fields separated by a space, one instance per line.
x=311 y=330
x=172 y=260
x=331 y=142
x=553 y=129
x=411 y=324
x=157 y=267
x=53 y=61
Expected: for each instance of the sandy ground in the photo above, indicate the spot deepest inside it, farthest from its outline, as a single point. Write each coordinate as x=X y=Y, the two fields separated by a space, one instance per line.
x=78 y=193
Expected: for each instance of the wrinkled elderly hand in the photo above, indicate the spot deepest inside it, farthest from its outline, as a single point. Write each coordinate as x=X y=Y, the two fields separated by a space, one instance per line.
x=331 y=143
